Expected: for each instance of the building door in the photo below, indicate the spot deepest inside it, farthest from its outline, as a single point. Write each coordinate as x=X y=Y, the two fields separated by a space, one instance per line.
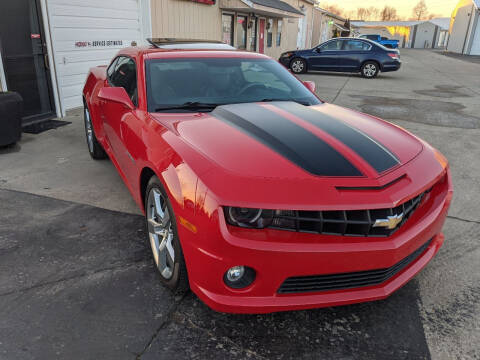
x=24 y=53
x=227 y=29
x=261 y=36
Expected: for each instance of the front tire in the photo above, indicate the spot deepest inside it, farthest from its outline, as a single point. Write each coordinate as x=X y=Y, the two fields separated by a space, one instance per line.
x=298 y=66
x=163 y=237
x=94 y=148
x=370 y=69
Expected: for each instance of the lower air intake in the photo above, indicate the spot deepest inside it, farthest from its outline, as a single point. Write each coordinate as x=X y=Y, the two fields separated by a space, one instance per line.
x=315 y=283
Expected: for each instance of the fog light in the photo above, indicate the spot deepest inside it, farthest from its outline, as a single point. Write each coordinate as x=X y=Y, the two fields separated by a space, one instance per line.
x=235 y=273
x=239 y=277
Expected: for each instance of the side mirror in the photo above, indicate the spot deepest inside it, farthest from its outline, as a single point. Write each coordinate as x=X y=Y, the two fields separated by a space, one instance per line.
x=318 y=50
x=116 y=94
x=310 y=85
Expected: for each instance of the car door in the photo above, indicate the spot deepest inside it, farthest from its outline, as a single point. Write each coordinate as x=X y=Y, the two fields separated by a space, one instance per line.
x=353 y=53
x=115 y=114
x=325 y=56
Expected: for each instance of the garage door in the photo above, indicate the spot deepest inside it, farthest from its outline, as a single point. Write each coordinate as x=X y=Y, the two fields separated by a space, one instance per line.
x=87 y=33
x=475 y=50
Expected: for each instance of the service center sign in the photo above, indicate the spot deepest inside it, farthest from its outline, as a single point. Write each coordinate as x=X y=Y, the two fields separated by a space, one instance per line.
x=98 y=43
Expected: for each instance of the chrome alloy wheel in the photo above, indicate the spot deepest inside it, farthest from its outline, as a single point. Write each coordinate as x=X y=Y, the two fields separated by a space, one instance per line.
x=89 y=130
x=369 y=70
x=160 y=232
x=297 y=66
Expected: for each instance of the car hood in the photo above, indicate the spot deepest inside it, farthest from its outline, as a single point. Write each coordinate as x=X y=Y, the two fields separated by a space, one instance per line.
x=303 y=52
x=294 y=144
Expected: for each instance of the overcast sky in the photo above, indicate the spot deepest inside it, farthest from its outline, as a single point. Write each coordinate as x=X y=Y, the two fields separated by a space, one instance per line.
x=404 y=7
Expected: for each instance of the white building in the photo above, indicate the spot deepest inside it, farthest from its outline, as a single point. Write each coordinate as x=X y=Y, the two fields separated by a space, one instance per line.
x=465 y=28
x=47 y=47
x=410 y=34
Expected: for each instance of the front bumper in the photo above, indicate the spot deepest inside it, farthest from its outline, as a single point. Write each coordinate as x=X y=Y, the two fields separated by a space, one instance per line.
x=285 y=61
x=277 y=255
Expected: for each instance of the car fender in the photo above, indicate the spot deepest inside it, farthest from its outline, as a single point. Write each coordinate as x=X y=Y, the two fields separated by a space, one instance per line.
x=95 y=81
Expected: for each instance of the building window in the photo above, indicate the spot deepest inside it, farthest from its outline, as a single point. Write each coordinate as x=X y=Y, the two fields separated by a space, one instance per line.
x=253 y=35
x=241 y=30
x=227 y=29
x=269 y=32
x=279 y=32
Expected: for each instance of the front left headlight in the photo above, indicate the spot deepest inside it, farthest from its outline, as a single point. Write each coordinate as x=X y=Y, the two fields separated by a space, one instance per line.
x=287 y=54
x=248 y=218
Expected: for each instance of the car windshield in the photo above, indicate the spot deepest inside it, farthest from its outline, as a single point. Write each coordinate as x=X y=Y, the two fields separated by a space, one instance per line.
x=201 y=84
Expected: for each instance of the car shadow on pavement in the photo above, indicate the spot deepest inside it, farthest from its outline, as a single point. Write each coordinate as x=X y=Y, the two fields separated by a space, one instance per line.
x=78 y=282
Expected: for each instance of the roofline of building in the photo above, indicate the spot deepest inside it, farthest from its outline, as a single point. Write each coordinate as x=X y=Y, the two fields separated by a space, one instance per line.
x=338 y=17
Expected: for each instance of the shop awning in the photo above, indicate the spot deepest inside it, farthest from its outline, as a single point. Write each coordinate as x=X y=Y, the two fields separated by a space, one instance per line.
x=271 y=8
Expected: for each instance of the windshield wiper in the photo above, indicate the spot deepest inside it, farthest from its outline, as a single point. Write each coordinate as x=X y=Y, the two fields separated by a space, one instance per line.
x=297 y=101
x=190 y=105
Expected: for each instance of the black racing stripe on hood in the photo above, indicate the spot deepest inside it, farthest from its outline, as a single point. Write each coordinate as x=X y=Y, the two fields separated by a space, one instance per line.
x=374 y=153
x=287 y=139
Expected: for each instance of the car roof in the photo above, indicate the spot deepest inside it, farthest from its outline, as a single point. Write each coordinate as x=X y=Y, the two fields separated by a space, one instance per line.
x=177 y=43
x=373 y=43
x=175 y=47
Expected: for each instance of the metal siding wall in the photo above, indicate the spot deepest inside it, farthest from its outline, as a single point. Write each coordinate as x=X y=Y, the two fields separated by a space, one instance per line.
x=459 y=29
x=186 y=19
x=423 y=35
x=475 y=45
x=72 y=21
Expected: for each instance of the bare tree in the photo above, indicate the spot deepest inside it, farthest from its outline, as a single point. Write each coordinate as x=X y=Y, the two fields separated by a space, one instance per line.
x=388 y=13
x=420 y=10
x=362 y=13
x=333 y=8
x=373 y=13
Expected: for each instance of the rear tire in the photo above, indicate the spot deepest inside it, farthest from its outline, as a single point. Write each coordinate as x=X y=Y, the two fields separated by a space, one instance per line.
x=370 y=69
x=298 y=66
x=163 y=237
x=94 y=148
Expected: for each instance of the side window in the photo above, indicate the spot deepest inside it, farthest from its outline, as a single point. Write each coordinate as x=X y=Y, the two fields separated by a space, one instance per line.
x=125 y=75
x=333 y=45
x=111 y=68
x=355 y=45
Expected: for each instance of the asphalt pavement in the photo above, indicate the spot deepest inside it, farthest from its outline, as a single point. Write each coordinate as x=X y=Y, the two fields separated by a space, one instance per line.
x=77 y=279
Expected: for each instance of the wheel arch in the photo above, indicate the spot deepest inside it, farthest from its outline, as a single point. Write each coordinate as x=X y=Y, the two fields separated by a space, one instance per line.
x=145 y=176
x=178 y=194
x=380 y=67
x=301 y=58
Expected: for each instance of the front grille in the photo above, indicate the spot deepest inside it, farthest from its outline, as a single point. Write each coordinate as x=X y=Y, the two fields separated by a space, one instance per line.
x=317 y=283
x=343 y=222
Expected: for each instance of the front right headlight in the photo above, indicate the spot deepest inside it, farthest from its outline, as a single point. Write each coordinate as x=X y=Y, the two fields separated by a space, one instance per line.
x=248 y=218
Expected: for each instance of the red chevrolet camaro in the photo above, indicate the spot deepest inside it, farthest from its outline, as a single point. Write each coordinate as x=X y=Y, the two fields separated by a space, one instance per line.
x=258 y=196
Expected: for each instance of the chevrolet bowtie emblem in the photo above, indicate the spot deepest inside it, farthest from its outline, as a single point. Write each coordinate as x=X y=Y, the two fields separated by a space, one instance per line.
x=390 y=222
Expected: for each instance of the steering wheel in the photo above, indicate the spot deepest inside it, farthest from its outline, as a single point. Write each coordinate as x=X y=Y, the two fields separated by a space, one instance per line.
x=250 y=86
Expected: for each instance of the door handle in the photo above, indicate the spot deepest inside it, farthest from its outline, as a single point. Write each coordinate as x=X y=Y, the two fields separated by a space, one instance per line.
x=45 y=59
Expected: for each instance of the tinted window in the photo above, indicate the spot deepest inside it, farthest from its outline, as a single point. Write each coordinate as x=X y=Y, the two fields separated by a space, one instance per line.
x=333 y=45
x=356 y=45
x=241 y=32
x=125 y=75
x=372 y=37
x=111 y=68
x=221 y=81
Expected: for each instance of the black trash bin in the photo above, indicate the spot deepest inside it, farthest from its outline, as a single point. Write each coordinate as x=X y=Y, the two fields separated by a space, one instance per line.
x=11 y=105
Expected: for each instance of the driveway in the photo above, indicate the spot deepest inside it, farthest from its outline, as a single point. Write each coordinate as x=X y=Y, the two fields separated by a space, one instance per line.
x=77 y=280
